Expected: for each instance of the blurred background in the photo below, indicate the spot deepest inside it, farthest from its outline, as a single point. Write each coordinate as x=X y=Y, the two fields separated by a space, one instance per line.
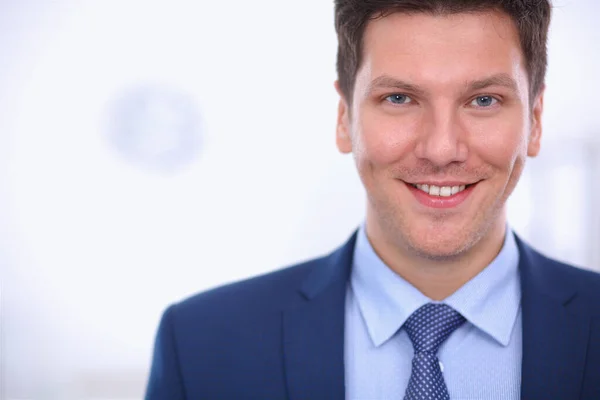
x=153 y=149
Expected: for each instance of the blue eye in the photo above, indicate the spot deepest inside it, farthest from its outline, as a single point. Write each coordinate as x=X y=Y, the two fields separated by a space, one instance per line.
x=398 y=99
x=484 y=101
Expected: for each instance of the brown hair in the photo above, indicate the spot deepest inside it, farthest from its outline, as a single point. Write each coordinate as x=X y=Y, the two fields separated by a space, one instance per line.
x=531 y=17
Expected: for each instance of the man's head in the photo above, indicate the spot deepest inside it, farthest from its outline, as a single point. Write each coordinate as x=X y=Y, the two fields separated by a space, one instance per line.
x=442 y=93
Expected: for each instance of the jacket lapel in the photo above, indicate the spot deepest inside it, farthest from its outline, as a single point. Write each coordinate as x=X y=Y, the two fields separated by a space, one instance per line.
x=314 y=331
x=555 y=331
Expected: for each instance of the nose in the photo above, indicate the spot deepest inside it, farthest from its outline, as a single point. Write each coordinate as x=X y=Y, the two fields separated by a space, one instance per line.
x=441 y=140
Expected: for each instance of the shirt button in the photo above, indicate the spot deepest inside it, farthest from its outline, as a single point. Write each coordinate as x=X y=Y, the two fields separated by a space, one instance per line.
x=441 y=366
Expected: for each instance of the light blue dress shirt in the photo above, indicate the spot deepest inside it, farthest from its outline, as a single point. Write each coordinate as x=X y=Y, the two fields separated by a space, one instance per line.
x=480 y=360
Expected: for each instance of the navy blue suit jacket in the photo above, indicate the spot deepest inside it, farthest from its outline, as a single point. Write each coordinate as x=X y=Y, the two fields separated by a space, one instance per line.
x=281 y=335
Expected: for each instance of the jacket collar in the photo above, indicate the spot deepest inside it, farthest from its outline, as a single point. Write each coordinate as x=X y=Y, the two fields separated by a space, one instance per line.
x=555 y=330
x=313 y=332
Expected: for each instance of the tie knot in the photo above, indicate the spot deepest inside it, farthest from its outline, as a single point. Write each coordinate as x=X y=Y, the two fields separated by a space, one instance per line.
x=430 y=326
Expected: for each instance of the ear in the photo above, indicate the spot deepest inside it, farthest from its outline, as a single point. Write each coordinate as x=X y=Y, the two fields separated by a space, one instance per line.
x=342 y=134
x=535 y=134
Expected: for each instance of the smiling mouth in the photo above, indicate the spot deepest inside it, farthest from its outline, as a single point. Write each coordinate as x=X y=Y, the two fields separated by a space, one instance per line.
x=441 y=191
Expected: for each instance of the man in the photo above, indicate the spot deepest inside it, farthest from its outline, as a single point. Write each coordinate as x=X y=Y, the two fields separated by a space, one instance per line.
x=433 y=298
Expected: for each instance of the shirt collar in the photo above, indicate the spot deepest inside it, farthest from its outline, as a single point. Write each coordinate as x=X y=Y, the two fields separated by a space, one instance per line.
x=490 y=300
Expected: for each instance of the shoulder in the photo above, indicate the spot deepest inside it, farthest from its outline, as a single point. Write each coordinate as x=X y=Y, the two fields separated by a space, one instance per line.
x=260 y=295
x=561 y=277
x=266 y=296
x=585 y=280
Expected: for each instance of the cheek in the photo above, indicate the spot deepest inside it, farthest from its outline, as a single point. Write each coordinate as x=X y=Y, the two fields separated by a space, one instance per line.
x=382 y=140
x=499 y=143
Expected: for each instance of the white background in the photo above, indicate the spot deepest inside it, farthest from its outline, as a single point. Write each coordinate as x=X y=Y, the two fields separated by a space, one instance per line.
x=94 y=244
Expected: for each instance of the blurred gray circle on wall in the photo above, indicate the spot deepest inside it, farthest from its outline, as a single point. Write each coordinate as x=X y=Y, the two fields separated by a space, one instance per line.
x=155 y=127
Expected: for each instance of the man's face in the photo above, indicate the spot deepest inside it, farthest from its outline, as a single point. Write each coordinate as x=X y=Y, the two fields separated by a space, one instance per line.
x=440 y=102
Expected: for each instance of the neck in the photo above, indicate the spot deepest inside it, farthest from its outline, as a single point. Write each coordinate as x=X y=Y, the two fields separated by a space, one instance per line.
x=439 y=278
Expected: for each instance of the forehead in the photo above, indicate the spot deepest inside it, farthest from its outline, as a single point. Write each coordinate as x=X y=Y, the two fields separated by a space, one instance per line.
x=441 y=49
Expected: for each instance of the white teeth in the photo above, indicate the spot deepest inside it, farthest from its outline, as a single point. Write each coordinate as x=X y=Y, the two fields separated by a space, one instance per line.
x=443 y=191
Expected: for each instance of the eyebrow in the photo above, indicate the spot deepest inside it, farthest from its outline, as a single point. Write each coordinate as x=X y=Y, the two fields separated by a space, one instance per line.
x=503 y=80
x=386 y=81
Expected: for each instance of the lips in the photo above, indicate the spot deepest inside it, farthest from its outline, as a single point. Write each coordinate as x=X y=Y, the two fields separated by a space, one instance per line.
x=446 y=195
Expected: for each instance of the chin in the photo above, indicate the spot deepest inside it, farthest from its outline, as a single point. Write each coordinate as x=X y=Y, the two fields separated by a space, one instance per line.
x=439 y=251
x=437 y=243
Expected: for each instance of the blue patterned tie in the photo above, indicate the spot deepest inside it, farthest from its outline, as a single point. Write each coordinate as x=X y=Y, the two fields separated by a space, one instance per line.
x=428 y=328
